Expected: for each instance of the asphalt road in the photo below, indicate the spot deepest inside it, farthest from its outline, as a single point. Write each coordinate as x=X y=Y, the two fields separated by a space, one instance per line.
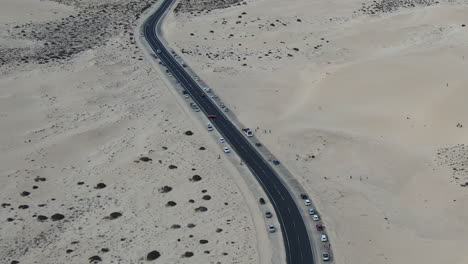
x=296 y=239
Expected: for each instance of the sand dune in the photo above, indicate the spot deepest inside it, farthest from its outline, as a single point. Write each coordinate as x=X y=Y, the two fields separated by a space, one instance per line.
x=96 y=162
x=367 y=110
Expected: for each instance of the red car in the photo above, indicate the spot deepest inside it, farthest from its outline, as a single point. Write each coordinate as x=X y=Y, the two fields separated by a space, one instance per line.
x=319 y=227
x=212 y=116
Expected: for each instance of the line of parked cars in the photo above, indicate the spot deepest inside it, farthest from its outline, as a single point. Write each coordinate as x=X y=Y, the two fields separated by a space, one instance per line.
x=192 y=104
x=221 y=140
x=323 y=237
x=318 y=226
x=270 y=227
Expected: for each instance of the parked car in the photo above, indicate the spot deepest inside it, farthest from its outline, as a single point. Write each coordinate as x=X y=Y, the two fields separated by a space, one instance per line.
x=195 y=107
x=210 y=127
x=323 y=238
x=222 y=105
x=268 y=214
x=261 y=201
x=271 y=228
x=258 y=144
x=307 y=202
x=315 y=217
x=311 y=211
x=325 y=256
x=226 y=150
x=304 y=196
x=319 y=227
x=226 y=109
x=196 y=78
x=221 y=140
x=276 y=162
x=247 y=132
x=213 y=96
x=206 y=89
x=169 y=74
x=212 y=116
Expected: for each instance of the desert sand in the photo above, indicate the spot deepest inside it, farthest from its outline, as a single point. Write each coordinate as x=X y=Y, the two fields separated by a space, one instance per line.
x=366 y=104
x=100 y=160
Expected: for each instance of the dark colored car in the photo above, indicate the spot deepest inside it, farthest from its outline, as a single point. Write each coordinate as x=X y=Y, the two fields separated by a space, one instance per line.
x=262 y=201
x=319 y=227
x=202 y=95
x=212 y=116
x=304 y=196
x=276 y=162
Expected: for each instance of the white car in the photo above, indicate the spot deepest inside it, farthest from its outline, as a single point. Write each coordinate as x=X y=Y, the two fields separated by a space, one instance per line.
x=311 y=211
x=323 y=238
x=271 y=228
x=210 y=127
x=315 y=217
x=169 y=74
x=213 y=96
x=226 y=150
x=206 y=89
x=221 y=140
x=248 y=132
x=325 y=256
x=307 y=202
x=196 y=78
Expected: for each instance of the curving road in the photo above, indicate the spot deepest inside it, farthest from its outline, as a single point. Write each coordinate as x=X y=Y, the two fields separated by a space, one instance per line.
x=296 y=239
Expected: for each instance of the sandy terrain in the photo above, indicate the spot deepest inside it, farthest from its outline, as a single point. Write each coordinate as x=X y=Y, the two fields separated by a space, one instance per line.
x=100 y=162
x=366 y=103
